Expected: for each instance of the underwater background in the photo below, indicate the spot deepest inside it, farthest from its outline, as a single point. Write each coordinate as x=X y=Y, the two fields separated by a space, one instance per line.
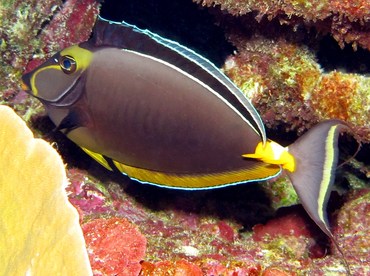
x=304 y=61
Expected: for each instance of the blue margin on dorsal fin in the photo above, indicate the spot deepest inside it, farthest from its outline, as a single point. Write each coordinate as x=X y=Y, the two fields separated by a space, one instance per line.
x=206 y=65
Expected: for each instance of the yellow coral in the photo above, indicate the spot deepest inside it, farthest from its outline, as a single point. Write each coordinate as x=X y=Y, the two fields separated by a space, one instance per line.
x=39 y=229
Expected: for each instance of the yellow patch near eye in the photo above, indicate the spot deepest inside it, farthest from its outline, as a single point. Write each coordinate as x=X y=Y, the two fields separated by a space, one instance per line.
x=273 y=153
x=82 y=56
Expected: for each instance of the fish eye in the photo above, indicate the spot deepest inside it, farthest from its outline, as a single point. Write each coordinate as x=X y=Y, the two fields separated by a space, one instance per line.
x=68 y=64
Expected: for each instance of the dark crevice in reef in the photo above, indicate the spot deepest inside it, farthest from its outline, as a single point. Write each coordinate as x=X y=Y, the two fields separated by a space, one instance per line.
x=181 y=20
x=332 y=57
x=193 y=26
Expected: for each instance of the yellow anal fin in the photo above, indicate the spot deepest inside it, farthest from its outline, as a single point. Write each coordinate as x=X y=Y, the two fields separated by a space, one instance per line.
x=98 y=158
x=258 y=172
x=200 y=181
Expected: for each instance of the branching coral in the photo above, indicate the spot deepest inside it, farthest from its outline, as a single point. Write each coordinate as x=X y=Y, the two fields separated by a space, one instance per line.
x=39 y=228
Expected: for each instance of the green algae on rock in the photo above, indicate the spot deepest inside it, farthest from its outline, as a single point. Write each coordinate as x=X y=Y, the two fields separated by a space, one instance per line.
x=281 y=193
x=352 y=231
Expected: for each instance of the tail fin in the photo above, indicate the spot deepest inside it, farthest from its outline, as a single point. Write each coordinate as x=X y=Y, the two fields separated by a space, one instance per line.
x=316 y=156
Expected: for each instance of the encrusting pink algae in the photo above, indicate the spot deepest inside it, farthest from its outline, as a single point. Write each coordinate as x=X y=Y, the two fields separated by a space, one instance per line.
x=242 y=230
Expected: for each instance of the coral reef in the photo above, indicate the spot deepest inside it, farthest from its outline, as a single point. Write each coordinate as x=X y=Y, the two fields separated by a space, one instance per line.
x=347 y=21
x=351 y=94
x=40 y=230
x=233 y=231
x=290 y=90
x=352 y=218
x=185 y=233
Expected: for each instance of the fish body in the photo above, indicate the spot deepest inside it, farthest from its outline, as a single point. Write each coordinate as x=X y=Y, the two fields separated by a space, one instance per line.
x=153 y=124
x=162 y=114
x=156 y=128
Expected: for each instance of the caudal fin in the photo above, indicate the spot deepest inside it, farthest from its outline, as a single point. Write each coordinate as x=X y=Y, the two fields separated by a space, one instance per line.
x=316 y=157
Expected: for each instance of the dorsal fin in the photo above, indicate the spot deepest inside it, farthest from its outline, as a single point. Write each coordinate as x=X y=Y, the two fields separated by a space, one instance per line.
x=127 y=36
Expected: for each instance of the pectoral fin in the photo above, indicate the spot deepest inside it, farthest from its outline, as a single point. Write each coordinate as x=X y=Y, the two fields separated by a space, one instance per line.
x=70 y=122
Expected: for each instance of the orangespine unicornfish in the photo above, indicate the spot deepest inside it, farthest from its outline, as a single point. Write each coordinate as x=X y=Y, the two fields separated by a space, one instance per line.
x=163 y=114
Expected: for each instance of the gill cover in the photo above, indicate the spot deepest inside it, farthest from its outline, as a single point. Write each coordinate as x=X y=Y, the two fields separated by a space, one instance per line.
x=55 y=79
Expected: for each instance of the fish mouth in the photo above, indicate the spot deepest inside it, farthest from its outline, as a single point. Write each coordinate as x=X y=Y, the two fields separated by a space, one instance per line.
x=26 y=83
x=24 y=86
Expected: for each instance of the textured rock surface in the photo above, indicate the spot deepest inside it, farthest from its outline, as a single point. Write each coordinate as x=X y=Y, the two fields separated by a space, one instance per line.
x=115 y=246
x=347 y=21
x=290 y=90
